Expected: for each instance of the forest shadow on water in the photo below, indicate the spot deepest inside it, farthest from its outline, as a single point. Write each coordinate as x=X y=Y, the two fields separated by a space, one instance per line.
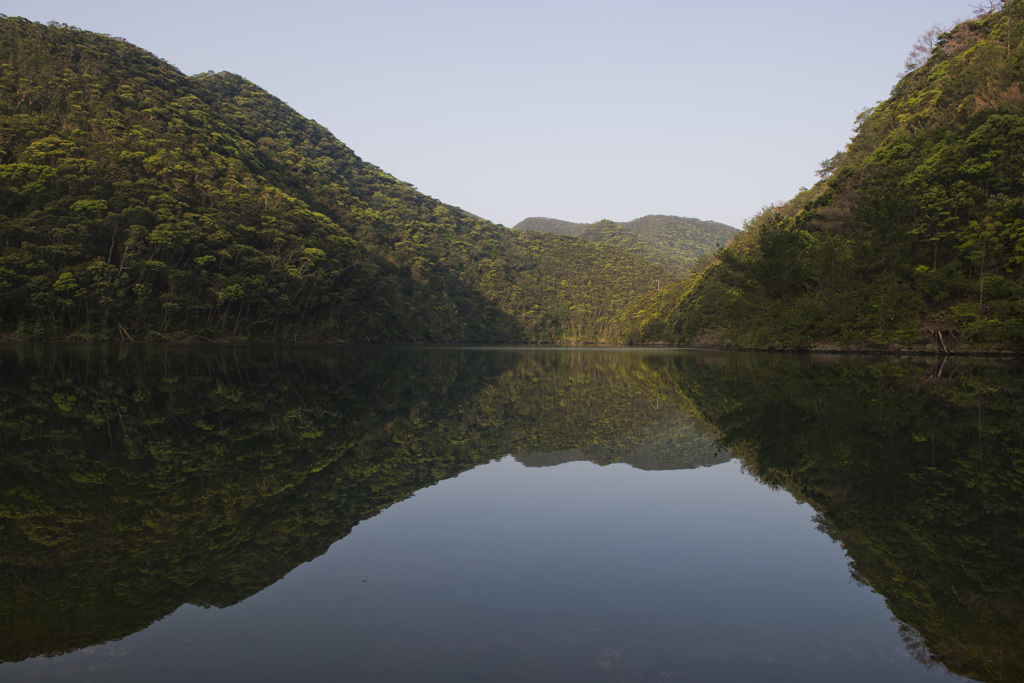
x=137 y=481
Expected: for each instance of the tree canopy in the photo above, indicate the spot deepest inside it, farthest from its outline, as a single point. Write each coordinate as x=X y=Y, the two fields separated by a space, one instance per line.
x=913 y=239
x=673 y=242
x=140 y=203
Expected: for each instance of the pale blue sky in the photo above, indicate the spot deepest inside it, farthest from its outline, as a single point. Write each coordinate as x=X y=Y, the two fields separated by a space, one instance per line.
x=562 y=108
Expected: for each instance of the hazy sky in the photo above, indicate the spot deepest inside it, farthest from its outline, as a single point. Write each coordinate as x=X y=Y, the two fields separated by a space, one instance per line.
x=578 y=110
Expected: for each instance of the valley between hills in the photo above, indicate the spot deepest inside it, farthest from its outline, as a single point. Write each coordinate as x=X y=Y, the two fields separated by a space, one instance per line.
x=139 y=203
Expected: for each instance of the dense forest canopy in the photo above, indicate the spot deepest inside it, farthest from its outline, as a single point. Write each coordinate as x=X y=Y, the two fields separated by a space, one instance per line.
x=673 y=242
x=914 y=237
x=140 y=203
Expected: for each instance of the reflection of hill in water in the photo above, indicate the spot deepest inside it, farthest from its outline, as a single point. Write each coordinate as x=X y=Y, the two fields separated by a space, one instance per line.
x=671 y=443
x=135 y=480
x=918 y=471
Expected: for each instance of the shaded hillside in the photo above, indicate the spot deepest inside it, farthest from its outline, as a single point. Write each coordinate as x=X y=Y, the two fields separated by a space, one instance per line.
x=672 y=242
x=915 y=236
x=139 y=203
x=552 y=225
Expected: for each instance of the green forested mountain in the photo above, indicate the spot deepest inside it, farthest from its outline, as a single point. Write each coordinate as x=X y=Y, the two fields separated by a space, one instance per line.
x=552 y=225
x=140 y=203
x=914 y=238
x=672 y=242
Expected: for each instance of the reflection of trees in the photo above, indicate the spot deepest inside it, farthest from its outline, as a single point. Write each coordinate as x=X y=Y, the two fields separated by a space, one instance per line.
x=671 y=443
x=133 y=480
x=919 y=476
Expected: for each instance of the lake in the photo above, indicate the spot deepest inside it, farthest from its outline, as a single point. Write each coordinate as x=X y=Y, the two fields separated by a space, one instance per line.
x=320 y=513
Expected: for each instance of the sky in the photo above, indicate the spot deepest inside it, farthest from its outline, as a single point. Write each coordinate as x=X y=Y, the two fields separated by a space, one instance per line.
x=569 y=109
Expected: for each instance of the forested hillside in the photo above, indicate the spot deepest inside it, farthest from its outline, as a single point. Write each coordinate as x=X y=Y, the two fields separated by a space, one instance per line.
x=914 y=238
x=140 y=203
x=672 y=242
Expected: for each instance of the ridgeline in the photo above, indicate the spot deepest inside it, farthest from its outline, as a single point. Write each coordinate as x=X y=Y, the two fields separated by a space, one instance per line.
x=673 y=242
x=914 y=237
x=140 y=203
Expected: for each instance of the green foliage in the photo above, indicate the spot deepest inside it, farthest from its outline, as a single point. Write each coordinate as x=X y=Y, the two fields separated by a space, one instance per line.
x=671 y=242
x=916 y=230
x=139 y=203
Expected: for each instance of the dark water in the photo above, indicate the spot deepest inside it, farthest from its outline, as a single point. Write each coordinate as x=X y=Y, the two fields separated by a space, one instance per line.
x=449 y=514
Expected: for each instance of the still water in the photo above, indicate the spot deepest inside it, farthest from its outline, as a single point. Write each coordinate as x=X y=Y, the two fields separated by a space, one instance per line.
x=454 y=514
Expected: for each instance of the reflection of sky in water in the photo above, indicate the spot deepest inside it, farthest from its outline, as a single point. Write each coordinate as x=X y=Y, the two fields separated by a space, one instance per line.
x=575 y=572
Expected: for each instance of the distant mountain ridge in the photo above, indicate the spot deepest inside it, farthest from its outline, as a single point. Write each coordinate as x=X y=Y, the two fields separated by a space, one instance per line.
x=672 y=242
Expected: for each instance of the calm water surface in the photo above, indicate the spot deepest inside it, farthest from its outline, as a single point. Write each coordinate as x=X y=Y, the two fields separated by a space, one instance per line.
x=506 y=515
